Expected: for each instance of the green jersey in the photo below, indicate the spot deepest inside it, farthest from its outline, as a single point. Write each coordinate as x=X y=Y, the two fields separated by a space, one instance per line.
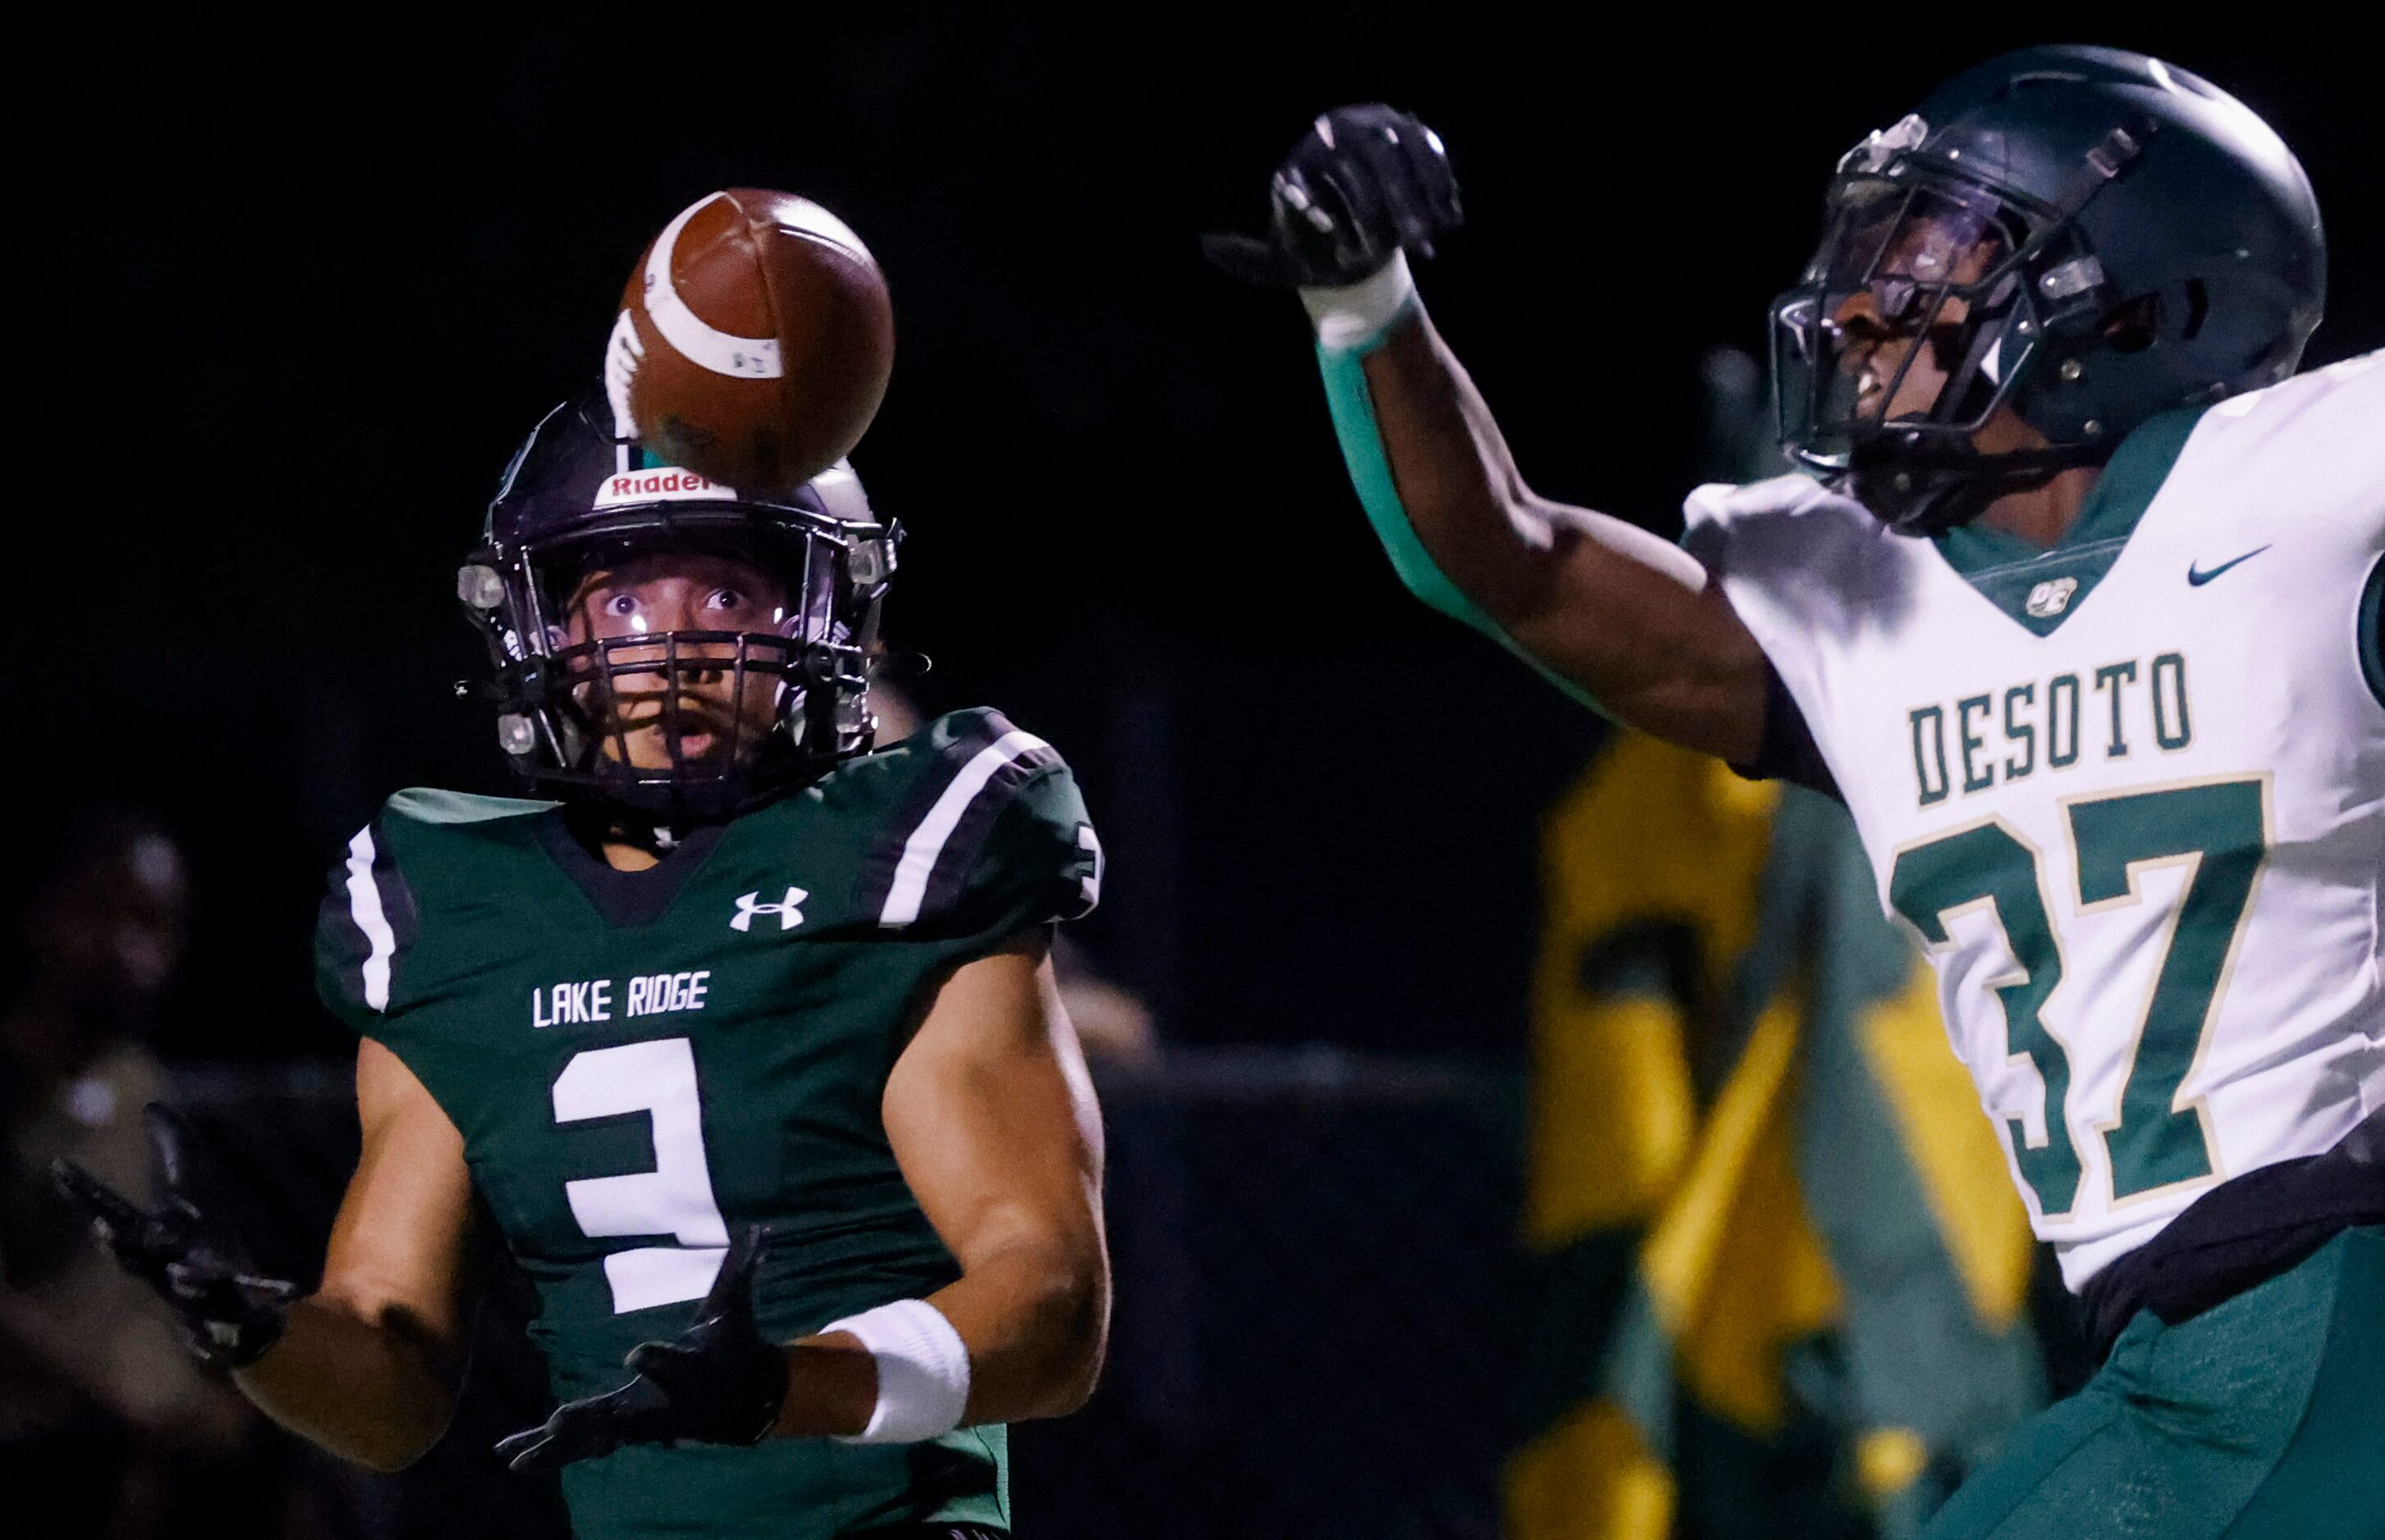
x=641 y=1062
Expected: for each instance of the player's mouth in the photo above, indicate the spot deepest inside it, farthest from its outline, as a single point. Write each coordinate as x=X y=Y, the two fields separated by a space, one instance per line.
x=700 y=744
x=695 y=736
x=1871 y=390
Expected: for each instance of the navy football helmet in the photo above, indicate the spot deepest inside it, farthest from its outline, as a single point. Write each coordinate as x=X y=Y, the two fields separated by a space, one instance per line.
x=2087 y=236
x=580 y=495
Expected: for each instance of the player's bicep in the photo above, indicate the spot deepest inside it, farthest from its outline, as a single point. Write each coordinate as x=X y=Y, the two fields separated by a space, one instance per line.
x=400 y=1252
x=1642 y=624
x=992 y=1116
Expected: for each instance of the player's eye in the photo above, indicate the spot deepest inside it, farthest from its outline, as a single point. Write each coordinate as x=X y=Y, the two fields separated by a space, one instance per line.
x=622 y=606
x=726 y=599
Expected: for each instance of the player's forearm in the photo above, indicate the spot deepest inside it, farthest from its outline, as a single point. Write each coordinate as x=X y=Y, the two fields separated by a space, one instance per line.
x=1450 y=471
x=1035 y=1316
x=371 y=1392
x=1581 y=596
x=1434 y=477
x=1621 y=619
x=1528 y=561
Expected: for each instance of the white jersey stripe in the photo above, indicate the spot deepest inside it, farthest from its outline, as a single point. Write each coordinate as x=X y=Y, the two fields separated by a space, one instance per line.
x=364 y=907
x=926 y=841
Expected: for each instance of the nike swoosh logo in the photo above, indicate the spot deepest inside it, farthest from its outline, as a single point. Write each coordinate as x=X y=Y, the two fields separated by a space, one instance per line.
x=2196 y=577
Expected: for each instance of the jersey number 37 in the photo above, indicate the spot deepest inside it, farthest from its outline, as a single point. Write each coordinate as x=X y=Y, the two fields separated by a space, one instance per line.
x=2217 y=830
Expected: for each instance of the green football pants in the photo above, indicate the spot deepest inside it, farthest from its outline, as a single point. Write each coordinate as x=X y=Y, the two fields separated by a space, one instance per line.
x=2262 y=1417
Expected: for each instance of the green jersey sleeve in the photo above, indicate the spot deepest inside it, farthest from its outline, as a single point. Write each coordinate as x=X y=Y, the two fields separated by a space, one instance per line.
x=365 y=930
x=371 y=918
x=992 y=838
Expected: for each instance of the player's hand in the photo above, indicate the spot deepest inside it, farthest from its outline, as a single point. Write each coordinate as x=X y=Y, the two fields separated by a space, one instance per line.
x=719 y=1382
x=187 y=1252
x=1363 y=183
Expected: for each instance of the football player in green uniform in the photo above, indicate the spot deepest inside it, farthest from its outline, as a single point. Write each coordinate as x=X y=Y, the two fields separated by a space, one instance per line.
x=744 y=1044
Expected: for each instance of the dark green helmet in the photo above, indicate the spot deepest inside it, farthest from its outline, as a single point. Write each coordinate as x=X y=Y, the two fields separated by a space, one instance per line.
x=583 y=493
x=2086 y=236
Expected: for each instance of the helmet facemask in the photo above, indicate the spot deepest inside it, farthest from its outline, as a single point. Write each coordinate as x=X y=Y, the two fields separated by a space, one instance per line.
x=684 y=723
x=1931 y=302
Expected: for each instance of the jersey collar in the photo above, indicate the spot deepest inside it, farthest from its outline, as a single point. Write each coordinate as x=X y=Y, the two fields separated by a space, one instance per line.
x=626 y=899
x=2040 y=586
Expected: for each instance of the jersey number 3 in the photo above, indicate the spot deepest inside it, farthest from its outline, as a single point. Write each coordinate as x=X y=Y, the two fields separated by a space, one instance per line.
x=2218 y=831
x=675 y=1199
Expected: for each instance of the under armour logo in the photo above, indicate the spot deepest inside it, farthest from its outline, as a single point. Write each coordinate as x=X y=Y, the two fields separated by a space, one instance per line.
x=790 y=915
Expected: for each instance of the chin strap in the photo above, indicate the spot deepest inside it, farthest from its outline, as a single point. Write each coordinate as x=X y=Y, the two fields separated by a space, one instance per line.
x=1926 y=491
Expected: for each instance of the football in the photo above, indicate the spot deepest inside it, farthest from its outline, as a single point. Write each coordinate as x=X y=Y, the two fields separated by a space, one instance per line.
x=755 y=341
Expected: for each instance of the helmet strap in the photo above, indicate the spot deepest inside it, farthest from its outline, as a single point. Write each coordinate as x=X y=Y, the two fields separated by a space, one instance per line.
x=1927 y=492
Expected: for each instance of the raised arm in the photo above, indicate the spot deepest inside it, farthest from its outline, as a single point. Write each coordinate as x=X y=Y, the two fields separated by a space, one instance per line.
x=369 y=1366
x=1614 y=616
x=1632 y=624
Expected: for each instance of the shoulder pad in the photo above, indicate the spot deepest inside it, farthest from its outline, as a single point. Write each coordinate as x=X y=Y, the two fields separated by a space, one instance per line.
x=2304 y=448
x=368 y=919
x=2362 y=379
x=2327 y=414
x=989 y=832
x=1778 y=497
x=422 y=805
x=367 y=923
x=1766 y=530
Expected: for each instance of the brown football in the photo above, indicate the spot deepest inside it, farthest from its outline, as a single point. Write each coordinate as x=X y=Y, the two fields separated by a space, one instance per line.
x=753 y=341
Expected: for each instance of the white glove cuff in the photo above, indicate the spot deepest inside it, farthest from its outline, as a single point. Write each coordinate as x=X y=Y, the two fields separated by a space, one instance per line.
x=923 y=1371
x=1351 y=315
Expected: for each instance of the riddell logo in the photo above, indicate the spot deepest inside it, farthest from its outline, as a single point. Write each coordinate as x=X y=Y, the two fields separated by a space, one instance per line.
x=663 y=484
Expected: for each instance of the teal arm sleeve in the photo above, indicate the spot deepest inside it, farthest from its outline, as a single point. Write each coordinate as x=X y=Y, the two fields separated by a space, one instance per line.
x=1370 y=474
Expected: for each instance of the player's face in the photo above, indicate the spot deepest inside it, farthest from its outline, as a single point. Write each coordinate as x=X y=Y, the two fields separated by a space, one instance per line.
x=1895 y=342
x=1904 y=271
x=716 y=709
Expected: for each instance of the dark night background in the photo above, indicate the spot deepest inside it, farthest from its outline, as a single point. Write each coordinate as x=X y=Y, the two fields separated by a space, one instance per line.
x=291 y=295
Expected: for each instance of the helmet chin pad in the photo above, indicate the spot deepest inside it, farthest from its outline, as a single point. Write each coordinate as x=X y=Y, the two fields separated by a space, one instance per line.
x=1927 y=493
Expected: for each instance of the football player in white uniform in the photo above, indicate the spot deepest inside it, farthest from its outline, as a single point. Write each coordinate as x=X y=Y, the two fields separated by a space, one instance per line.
x=2075 y=606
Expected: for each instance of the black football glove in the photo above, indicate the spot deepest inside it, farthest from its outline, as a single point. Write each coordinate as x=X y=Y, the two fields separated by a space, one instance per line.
x=720 y=1382
x=1363 y=183
x=188 y=1252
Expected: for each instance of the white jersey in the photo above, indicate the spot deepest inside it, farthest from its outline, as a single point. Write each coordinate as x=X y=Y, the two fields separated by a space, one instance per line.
x=2130 y=792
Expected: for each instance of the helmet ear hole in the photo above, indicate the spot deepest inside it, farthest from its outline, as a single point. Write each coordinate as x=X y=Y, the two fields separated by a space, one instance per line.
x=2198 y=308
x=2134 y=324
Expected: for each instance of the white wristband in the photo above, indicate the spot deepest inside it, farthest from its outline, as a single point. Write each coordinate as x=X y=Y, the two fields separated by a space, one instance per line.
x=1354 y=314
x=923 y=1371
